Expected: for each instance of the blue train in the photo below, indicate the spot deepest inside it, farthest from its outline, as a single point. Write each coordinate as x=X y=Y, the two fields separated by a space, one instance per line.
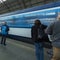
x=21 y=21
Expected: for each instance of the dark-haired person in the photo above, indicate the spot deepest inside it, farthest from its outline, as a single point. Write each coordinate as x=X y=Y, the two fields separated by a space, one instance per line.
x=4 y=32
x=38 y=33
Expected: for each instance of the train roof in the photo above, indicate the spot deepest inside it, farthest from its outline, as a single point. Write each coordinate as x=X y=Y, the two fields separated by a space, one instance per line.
x=50 y=5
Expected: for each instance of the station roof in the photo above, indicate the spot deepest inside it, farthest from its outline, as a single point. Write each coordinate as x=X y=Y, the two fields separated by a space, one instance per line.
x=7 y=6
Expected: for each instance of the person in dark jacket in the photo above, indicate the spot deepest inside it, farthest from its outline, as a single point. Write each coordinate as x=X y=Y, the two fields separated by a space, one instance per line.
x=4 y=32
x=38 y=36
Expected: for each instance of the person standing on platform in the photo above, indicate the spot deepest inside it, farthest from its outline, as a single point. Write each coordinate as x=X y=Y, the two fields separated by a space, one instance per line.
x=54 y=31
x=37 y=33
x=4 y=32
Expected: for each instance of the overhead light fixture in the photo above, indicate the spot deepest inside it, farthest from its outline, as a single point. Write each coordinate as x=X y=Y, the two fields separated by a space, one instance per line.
x=1 y=1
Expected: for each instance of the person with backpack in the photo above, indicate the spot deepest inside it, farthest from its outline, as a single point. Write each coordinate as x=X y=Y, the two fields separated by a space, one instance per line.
x=4 y=32
x=38 y=36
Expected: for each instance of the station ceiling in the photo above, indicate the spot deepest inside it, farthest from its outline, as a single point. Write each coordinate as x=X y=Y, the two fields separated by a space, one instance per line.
x=7 y=6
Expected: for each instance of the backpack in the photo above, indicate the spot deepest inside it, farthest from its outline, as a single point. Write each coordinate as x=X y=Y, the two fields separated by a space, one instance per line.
x=44 y=37
x=41 y=32
x=3 y=30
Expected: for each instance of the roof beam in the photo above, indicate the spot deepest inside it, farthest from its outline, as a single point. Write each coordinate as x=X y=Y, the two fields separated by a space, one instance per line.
x=6 y=6
x=23 y=3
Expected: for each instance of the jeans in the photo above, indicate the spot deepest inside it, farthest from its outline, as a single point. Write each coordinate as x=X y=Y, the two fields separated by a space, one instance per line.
x=3 y=40
x=39 y=51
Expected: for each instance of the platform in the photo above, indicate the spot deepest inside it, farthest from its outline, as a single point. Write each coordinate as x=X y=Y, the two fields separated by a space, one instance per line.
x=16 y=50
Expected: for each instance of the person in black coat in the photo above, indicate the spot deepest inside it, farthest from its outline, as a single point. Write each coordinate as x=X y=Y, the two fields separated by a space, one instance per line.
x=4 y=32
x=39 y=36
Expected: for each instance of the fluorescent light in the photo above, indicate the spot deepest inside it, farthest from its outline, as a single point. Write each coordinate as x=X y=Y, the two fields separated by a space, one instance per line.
x=4 y=0
x=1 y=1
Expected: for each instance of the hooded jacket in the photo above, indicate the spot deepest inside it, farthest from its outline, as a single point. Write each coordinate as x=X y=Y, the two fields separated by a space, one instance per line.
x=4 y=29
